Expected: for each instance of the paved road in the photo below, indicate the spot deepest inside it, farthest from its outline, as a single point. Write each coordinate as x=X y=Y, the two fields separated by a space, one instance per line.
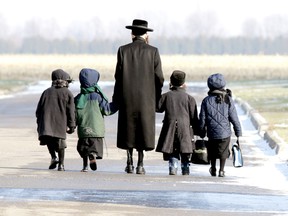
x=28 y=187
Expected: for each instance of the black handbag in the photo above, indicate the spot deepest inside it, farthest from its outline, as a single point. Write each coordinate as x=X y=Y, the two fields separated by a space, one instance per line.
x=200 y=153
x=237 y=155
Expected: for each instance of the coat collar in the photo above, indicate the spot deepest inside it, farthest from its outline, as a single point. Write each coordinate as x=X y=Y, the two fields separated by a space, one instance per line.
x=138 y=39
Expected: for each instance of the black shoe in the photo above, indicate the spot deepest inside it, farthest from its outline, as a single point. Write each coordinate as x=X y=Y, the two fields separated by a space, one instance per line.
x=85 y=169
x=140 y=170
x=129 y=169
x=221 y=174
x=212 y=171
x=92 y=160
x=172 y=171
x=185 y=170
x=54 y=162
x=61 y=167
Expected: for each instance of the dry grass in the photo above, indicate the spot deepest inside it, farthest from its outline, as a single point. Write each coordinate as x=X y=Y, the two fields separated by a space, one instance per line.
x=271 y=100
x=35 y=67
x=39 y=67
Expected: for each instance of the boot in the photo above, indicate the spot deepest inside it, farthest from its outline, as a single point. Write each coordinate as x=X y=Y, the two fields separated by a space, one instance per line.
x=85 y=164
x=140 y=169
x=212 y=171
x=53 y=163
x=54 y=159
x=221 y=173
x=61 y=154
x=185 y=168
x=173 y=166
x=92 y=160
x=129 y=168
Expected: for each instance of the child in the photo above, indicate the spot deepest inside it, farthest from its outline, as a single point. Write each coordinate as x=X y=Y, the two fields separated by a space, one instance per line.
x=180 y=124
x=91 y=105
x=217 y=114
x=55 y=115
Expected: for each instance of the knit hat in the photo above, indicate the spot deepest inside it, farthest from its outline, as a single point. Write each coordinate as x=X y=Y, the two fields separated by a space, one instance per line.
x=216 y=81
x=177 y=78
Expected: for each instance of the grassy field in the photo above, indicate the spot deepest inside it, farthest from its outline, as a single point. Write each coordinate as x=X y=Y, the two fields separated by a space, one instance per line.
x=198 y=68
x=260 y=80
x=270 y=98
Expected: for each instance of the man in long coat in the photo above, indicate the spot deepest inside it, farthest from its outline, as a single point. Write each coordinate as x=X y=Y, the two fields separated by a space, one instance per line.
x=138 y=85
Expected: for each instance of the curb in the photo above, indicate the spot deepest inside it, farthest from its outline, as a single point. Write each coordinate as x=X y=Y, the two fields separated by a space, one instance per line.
x=270 y=136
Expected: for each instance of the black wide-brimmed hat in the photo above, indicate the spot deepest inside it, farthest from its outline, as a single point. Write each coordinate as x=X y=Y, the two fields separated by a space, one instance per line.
x=138 y=24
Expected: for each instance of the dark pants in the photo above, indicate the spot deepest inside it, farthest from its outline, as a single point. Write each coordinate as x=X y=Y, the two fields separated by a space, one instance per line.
x=86 y=146
x=218 y=149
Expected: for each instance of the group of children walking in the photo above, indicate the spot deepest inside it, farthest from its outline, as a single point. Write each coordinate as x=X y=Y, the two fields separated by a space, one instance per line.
x=59 y=112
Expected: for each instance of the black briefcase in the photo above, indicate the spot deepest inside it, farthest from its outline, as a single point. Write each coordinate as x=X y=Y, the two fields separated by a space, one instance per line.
x=200 y=153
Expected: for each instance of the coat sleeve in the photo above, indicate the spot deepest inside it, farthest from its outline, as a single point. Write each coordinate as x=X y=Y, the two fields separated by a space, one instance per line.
x=70 y=111
x=118 y=79
x=233 y=118
x=39 y=107
x=161 y=104
x=159 y=77
x=107 y=108
x=194 y=120
x=202 y=120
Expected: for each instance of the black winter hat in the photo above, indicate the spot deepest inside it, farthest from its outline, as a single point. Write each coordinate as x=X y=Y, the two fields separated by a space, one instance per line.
x=177 y=78
x=60 y=74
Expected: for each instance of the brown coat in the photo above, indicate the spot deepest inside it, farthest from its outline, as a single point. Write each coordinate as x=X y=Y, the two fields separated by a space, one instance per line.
x=55 y=112
x=138 y=83
x=179 y=107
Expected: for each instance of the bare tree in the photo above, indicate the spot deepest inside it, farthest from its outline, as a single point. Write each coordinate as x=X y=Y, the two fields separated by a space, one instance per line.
x=50 y=29
x=251 y=28
x=275 y=25
x=4 y=28
x=86 y=30
x=203 y=24
x=32 y=28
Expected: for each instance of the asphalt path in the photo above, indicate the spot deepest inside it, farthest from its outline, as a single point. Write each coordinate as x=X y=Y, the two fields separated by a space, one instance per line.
x=28 y=187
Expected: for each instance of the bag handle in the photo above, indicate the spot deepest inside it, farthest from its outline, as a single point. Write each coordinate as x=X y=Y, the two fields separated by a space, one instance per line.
x=238 y=143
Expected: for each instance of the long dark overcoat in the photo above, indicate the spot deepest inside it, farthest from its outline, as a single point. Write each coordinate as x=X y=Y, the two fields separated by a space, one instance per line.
x=55 y=112
x=179 y=107
x=138 y=84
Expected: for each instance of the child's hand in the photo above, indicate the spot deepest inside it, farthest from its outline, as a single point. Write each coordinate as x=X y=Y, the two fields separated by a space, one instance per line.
x=70 y=130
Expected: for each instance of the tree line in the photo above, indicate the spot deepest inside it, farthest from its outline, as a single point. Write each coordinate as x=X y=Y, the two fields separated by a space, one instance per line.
x=186 y=46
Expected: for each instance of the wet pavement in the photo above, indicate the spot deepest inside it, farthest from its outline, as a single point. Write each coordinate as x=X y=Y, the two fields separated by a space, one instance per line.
x=28 y=187
x=168 y=199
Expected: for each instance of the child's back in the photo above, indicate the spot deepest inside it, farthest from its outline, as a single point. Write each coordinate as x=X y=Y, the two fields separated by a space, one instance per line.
x=91 y=107
x=55 y=113
x=180 y=123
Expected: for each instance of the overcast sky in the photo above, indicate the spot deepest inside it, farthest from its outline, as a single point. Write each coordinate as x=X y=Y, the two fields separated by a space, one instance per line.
x=163 y=15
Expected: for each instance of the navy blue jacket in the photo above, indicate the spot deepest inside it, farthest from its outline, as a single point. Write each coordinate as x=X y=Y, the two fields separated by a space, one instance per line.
x=216 y=117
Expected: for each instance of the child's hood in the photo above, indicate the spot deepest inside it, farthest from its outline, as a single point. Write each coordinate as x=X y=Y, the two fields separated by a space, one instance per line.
x=88 y=77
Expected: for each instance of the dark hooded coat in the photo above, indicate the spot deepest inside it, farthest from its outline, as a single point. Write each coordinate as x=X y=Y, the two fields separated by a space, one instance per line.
x=138 y=84
x=56 y=110
x=180 y=109
x=90 y=114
